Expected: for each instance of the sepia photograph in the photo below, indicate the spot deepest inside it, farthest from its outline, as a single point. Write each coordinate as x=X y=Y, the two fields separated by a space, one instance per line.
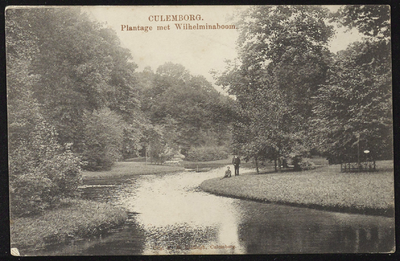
x=200 y=130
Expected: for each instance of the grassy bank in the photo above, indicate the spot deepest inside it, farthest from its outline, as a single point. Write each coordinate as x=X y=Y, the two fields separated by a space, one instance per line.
x=140 y=167
x=206 y=164
x=75 y=219
x=323 y=188
x=121 y=169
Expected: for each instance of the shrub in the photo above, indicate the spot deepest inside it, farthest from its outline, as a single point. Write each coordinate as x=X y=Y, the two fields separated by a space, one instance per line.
x=157 y=145
x=161 y=153
x=207 y=153
x=306 y=164
x=103 y=136
x=41 y=172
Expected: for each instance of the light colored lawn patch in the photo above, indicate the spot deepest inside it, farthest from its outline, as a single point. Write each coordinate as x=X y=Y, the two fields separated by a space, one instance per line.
x=207 y=164
x=120 y=169
x=325 y=187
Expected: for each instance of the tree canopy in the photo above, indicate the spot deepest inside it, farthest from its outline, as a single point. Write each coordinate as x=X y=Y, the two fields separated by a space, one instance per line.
x=283 y=58
x=295 y=96
x=354 y=106
x=71 y=98
x=370 y=20
x=188 y=107
x=79 y=68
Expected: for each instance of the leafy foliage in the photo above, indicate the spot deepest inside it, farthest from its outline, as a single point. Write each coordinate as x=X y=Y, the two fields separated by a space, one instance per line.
x=158 y=146
x=354 y=107
x=79 y=68
x=69 y=82
x=294 y=95
x=103 y=134
x=356 y=102
x=41 y=172
x=207 y=153
x=371 y=20
x=190 y=112
x=283 y=60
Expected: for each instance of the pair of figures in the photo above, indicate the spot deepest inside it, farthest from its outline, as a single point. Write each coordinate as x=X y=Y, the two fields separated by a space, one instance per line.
x=236 y=163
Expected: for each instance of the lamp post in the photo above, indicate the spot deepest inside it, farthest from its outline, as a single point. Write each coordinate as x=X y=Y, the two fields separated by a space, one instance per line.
x=366 y=152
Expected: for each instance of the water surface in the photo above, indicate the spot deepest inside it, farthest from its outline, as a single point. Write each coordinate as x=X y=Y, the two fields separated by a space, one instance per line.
x=169 y=214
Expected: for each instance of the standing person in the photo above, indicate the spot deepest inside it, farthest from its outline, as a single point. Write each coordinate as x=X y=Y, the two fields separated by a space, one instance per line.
x=236 y=163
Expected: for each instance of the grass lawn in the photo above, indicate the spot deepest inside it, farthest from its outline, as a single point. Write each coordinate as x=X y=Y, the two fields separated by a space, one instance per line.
x=120 y=169
x=75 y=219
x=206 y=164
x=139 y=167
x=325 y=187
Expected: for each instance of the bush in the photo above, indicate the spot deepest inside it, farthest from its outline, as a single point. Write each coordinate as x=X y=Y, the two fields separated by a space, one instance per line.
x=41 y=172
x=103 y=136
x=207 y=153
x=306 y=164
x=44 y=187
x=157 y=145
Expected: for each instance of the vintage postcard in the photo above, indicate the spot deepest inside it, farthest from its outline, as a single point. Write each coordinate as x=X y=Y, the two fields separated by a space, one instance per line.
x=200 y=130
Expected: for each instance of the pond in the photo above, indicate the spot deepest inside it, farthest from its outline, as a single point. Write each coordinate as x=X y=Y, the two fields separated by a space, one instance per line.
x=169 y=214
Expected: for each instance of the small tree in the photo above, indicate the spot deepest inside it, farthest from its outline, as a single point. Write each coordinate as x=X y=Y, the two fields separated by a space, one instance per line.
x=103 y=136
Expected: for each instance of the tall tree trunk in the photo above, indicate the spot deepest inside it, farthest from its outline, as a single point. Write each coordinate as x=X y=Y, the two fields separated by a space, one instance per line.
x=276 y=166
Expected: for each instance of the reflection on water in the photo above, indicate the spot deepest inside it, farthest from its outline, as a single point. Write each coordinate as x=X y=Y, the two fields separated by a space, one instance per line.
x=126 y=240
x=181 y=219
x=298 y=230
x=178 y=239
x=169 y=214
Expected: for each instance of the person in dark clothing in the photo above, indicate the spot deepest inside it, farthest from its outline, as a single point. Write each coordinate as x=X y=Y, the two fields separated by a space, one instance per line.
x=227 y=173
x=236 y=163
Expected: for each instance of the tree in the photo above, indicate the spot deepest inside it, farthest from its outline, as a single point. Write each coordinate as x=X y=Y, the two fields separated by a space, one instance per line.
x=188 y=109
x=41 y=172
x=370 y=20
x=80 y=67
x=283 y=58
x=354 y=106
x=157 y=145
x=103 y=134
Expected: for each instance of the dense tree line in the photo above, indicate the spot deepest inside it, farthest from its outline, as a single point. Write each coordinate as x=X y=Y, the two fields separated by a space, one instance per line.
x=79 y=75
x=192 y=113
x=76 y=101
x=296 y=96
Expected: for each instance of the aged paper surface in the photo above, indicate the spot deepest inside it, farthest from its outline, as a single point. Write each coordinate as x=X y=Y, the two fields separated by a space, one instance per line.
x=124 y=121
